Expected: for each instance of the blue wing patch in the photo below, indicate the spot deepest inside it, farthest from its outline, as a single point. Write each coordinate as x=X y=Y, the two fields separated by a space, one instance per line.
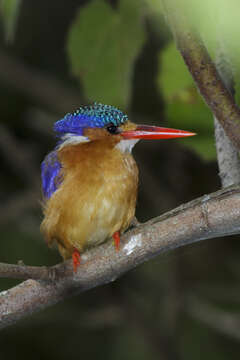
x=50 y=173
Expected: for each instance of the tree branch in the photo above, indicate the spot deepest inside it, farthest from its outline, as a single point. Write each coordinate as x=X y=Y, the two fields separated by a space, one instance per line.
x=203 y=70
x=210 y=216
x=227 y=154
x=228 y=157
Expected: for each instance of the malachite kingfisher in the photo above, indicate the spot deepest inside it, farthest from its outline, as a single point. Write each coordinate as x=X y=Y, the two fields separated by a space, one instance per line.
x=90 y=179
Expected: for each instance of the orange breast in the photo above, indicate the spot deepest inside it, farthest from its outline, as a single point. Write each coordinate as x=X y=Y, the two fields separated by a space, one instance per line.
x=96 y=199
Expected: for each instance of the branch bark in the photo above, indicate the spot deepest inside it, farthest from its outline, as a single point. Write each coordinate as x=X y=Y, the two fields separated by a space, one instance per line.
x=227 y=154
x=203 y=70
x=210 y=216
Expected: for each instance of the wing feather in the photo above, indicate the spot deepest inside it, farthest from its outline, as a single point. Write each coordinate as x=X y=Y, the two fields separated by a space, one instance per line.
x=50 y=173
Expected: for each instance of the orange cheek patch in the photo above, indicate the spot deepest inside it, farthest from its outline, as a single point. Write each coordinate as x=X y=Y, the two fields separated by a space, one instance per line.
x=95 y=133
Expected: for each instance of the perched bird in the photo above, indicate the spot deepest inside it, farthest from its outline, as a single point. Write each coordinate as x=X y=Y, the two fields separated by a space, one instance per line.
x=90 y=179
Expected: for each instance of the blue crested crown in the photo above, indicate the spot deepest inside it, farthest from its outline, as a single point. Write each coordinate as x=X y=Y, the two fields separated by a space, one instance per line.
x=95 y=116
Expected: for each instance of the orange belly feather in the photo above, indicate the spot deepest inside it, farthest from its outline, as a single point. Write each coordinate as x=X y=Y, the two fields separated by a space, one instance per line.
x=96 y=198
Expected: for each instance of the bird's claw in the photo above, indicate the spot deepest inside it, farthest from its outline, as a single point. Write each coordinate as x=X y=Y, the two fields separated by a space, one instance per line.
x=116 y=237
x=76 y=259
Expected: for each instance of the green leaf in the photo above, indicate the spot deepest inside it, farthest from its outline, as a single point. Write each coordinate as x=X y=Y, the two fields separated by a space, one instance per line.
x=102 y=46
x=9 y=11
x=155 y=7
x=174 y=78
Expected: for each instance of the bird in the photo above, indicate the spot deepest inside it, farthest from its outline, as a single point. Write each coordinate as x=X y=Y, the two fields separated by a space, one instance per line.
x=90 y=179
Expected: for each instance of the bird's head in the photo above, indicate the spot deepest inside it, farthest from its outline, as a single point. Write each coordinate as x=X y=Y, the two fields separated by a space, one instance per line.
x=107 y=123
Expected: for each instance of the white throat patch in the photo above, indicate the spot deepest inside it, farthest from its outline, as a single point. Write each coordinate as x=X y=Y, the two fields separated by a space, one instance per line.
x=70 y=139
x=126 y=146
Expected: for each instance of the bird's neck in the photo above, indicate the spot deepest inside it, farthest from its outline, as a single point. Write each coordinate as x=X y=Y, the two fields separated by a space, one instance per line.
x=92 y=155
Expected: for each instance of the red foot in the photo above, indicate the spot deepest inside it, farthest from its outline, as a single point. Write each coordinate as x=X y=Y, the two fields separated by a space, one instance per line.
x=76 y=259
x=116 y=237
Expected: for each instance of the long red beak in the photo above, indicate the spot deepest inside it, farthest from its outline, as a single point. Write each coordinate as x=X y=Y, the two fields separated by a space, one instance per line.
x=154 y=132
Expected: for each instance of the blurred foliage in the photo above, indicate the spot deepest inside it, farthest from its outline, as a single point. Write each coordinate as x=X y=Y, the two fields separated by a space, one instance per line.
x=219 y=26
x=103 y=44
x=118 y=52
x=106 y=63
x=9 y=10
x=184 y=105
x=174 y=77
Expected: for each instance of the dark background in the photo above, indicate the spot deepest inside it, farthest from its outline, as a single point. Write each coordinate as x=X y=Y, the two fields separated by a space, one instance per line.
x=182 y=305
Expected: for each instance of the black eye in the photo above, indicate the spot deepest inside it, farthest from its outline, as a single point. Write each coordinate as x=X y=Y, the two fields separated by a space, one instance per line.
x=112 y=129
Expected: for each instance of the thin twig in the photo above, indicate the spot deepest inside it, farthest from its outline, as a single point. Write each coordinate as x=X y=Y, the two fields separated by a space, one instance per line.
x=212 y=215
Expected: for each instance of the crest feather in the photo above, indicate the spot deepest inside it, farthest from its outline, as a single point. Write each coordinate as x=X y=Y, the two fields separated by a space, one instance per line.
x=94 y=116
